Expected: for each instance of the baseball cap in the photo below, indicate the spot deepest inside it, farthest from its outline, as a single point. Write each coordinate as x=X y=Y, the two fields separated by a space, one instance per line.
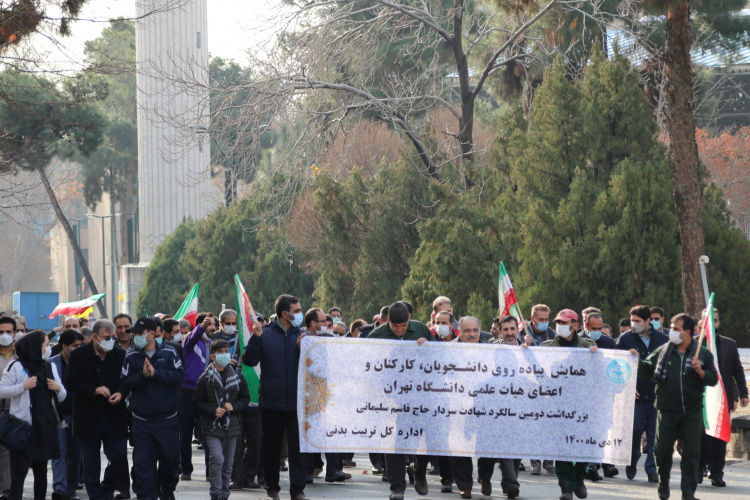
x=567 y=315
x=142 y=325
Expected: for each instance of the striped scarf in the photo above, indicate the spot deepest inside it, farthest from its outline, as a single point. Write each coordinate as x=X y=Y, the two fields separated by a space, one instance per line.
x=222 y=391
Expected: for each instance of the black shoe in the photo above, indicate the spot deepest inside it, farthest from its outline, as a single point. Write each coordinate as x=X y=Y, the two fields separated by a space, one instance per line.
x=396 y=496
x=700 y=478
x=521 y=467
x=122 y=495
x=236 y=485
x=689 y=497
x=446 y=488
x=5 y=495
x=593 y=475
x=630 y=471
x=348 y=464
x=252 y=485
x=168 y=496
x=338 y=477
x=309 y=479
x=609 y=470
x=384 y=478
x=486 y=487
x=345 y=474
x=567 y=491
x=580 y=491
x=283 y=467
x=653 y=478
x=663 y=492
x=59 y=495
x=262 y=481
x=512 y=491
x=376 y=470
x=420 y=482
x=718 y=482
x=435 y=471
x=410 y=472
x=185 y=477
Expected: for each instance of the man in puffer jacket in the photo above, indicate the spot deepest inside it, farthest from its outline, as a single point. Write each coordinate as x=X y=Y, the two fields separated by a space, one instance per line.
x=220 y=395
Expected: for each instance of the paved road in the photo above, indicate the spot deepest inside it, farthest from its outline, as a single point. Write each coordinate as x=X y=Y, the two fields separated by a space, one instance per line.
x=364 y=485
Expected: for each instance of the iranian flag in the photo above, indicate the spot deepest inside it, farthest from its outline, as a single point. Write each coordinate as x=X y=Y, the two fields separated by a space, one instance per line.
x=74 y=308
x=189 y=308
x=506 y=295
x=245 y=318
x=715 y=404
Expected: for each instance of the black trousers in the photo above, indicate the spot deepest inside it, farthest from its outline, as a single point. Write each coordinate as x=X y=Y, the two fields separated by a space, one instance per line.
x=446 y=477
x=462 y=468
x=19 y=469
x=275 y=422
x=247 y=463
x=713 y=456
x=395 y=470
x=377 y=460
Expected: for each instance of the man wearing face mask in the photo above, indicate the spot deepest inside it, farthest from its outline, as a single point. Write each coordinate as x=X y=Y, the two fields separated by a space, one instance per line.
x=150 y=373
x=276 y=347
x=593 y=324
x=7 y=356
x=645 y=339
x=228 y=331
x=570 y=475
x=100 y=417
x=681 y=373
x=443 y=326
x=67 y=468
x=195 y=352
x=538 y=330
x=657 y=320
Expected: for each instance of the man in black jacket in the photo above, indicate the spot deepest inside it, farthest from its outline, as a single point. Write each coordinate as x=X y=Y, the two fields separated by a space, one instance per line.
x=99 y=413
x=643 y=338
x=713 y=450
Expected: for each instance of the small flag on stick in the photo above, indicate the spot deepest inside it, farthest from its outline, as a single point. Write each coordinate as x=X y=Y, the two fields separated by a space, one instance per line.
x=74 y=308
x=189 y=308
x=715 y=403
x=245 y=318
x=507 y=296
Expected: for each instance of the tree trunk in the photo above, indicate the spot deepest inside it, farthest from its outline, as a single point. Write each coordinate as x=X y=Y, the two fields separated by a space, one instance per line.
x=71 y=237
x=466 y=123
x=684 y=153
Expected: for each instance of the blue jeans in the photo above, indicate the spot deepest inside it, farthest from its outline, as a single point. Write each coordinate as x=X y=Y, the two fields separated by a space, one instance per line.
x=116 y=451
x=644 y=419
x=67 y=468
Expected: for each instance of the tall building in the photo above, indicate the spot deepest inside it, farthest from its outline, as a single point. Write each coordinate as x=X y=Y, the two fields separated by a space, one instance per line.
x=173 y=115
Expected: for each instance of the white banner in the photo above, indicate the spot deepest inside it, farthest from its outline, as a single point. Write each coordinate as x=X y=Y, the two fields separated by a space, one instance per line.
x=483 y=400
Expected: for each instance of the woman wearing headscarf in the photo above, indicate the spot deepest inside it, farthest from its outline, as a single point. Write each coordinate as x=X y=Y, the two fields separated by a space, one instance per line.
x=35 y=390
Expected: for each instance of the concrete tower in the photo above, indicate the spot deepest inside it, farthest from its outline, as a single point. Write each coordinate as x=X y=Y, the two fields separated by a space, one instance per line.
x=173 y=115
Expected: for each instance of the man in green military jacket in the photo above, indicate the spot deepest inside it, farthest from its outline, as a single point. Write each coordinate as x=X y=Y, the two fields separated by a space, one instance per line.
x=401 y=327
x=680 y=376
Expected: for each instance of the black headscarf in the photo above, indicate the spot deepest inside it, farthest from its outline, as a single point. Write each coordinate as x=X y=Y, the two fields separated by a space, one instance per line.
x=43 y=444
x=29 y=352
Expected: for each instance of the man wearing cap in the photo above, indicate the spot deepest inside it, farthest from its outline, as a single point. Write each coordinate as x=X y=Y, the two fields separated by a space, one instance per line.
x=570 y=475
x=150 y=373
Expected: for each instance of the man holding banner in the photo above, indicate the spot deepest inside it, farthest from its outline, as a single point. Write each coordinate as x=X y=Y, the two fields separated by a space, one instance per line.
x=680 y=375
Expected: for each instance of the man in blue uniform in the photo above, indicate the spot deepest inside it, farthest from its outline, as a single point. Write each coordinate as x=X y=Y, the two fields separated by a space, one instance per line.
x=150 y=373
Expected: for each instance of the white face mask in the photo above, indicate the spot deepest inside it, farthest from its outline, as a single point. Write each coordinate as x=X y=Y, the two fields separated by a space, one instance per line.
x=637 y=328
x=323 y=330
x=563 y=331
x=19 y=336
x=6 y=339
x=443 y=330
x=230 y=329
x=674 y=337
x=178 y=337
x=47 y=352
x=107 y=345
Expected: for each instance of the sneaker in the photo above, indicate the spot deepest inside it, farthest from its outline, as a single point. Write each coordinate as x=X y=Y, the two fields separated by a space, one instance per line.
x=446 y=488
x=580 y=490
x=630 y=471
x=536 y=470
x=663 y=492
x=567 y=490
x=550 y=469
x=376 y=470
x=593 y=475
x=609 y=470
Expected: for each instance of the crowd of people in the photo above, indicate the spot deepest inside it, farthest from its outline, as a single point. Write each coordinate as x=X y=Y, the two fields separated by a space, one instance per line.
x=163 y=385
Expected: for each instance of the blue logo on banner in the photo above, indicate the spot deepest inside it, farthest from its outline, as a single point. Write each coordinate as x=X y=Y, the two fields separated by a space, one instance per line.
x=618 y=371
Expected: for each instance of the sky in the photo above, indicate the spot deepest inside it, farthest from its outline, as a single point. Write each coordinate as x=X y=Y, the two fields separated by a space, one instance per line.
x=233 y=27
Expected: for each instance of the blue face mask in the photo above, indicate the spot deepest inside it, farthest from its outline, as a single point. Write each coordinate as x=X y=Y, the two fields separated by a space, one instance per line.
x=223 y=358
x=542 y=326
x=656 y=324
x=141 y=341
x=298 y=319
x=595 y=335
x=159 y=340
